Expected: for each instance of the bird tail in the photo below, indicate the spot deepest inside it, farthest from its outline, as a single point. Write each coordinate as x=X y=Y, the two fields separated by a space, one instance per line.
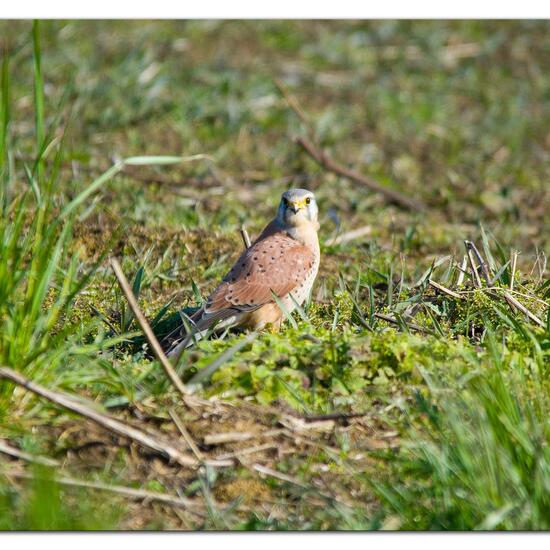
x=174 y=354
x=200 y=323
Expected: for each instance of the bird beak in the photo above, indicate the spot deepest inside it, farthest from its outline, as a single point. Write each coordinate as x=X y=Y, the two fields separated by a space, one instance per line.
x=295 y=206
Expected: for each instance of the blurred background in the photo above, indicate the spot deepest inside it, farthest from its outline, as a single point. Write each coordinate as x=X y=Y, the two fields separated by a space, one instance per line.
x=453 y=112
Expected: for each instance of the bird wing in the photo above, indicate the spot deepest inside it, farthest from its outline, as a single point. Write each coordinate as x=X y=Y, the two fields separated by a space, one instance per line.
x=276 y=263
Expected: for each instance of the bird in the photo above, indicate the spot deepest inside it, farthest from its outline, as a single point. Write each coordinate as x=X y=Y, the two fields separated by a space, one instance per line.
x=280 y=265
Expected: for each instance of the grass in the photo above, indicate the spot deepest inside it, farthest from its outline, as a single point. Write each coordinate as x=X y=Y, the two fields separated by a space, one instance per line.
x=153 y=142
x=485 y=463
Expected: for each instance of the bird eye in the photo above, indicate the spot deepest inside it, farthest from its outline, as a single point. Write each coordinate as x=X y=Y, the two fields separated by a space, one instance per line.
x=285 y=201
x=308 y=200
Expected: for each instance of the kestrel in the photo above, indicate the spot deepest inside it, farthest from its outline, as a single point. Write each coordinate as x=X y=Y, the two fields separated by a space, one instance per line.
x=284 y=261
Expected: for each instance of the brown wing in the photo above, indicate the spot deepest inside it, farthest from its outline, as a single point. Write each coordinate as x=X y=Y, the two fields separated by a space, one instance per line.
x=276 y=263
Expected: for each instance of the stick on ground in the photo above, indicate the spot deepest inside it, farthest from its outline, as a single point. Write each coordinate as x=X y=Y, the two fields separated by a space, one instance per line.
x=394 y=321
x=510 y=300
x=294 y=104
x=278 y=475
x=246 y=238
x=461 y=271
x=22 y=455
x=186 y=435
x=350 y=235
x=445 y=290
x=331 y=165
x=136 y=494
x=249 y=450
x=513 y=303
x=149 y=334
x=475 y=274
x=114 y=425
x=482 y=262
x=513 y=269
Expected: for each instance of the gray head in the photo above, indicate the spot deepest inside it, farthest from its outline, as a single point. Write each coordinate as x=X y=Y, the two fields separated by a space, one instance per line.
x=297 y=207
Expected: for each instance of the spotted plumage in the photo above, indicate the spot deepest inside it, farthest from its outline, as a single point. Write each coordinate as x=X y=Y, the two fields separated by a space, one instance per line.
x=284 y=261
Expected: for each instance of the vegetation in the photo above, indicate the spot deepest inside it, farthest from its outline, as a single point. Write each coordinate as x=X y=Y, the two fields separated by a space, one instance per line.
x=411 y=392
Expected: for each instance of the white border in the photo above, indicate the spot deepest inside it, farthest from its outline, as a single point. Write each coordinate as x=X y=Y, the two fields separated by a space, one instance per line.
x=283 y=9
x=274 y=541
x=292 y=9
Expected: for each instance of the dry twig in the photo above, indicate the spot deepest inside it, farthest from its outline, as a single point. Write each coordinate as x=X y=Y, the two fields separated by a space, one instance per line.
x=135 y=494
x=331 y=165
x=482 y=262
x=246 y=238
x=186 y=435
x=278 y=475
x=512 y=302
x=461 y=271
x=112 y=424
x=22 y=455
x=475 y=274
x=445 y=290
x=234 y=437
x=396 y=322
x=149 y=334
x=350 y=235
x=227 y=437
x=248 y=451
x=294 y=104
x=514 y=262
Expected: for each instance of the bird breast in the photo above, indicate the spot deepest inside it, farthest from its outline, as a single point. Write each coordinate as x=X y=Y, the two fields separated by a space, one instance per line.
x=302 y=291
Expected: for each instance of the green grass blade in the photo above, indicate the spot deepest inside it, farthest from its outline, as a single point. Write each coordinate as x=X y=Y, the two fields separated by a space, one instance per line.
x=500 y=273
x=136 y=286
x=196 y=293
x=38 y=92
x=33 y=185
x=205 y=373
x=92 y=188
x=431 y=269
x=487 y=249
x=162 y=312
x=284 y=309
x=118 y=167
x=163 y=160
x=4 y=107
x=299 y=309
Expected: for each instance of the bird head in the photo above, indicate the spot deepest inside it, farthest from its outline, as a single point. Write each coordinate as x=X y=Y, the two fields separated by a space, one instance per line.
x=297 y=207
